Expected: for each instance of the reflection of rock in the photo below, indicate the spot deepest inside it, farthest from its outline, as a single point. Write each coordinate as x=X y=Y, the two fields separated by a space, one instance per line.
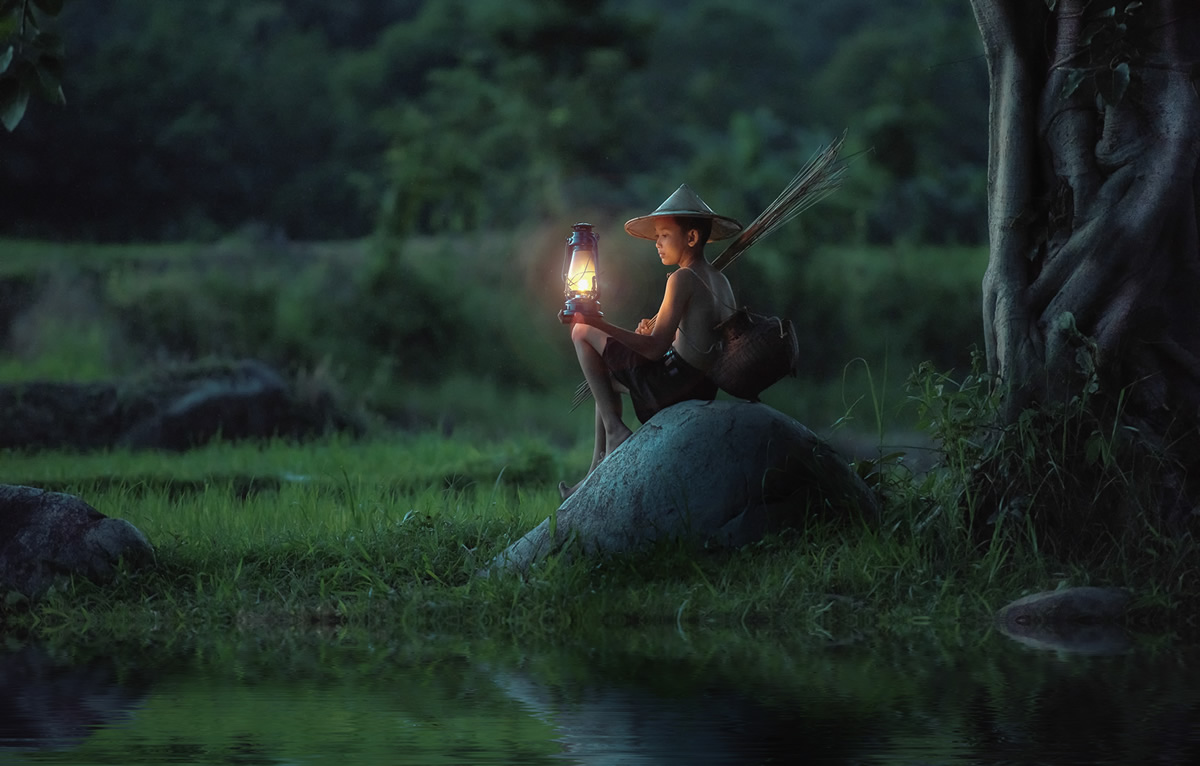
x=718 y=472
x=1085 y=620
x=612 y=726
x=606 y=724
x=46 y=535
x=46 y=705
x=175 y=409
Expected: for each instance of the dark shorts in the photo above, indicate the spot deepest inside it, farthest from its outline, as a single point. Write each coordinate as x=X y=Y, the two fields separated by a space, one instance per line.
x=655 y=384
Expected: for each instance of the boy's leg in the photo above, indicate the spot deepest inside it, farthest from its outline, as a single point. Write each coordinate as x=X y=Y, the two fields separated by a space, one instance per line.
x=567 y=490
x=611 y=430
x=598 y=447
x=589 y=347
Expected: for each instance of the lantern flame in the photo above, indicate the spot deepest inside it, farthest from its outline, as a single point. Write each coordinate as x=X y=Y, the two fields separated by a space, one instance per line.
x=581 y=276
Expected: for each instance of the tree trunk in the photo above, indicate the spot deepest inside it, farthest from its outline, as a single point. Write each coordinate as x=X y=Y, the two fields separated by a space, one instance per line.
x=1094 y=267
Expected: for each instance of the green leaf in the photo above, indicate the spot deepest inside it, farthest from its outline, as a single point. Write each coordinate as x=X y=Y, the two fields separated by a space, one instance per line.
x=5 y=59
x=1113 y=83
x=1107 y=12
x=51 y=7
x=1084 y=359
x=1074 y=78
x=1131 y=7
x=12 y=598
x=1051 y=4
x=14 y=97
x=1090 y=31
x=1121 y=77
x=49 y=78
x=50 y=44
x=9 y=23
x=29 y=19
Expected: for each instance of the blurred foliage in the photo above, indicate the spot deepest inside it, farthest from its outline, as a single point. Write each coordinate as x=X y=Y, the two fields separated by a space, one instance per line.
x=31 y=59
x=458 y=330
x=317 y=120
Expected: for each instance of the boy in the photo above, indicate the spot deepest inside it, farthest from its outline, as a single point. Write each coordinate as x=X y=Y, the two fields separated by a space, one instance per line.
x=664 y=361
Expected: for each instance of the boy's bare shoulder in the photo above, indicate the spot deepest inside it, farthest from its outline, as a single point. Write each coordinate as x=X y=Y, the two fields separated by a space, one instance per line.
x=707 y=276
x=690 y=274
x=682 y=277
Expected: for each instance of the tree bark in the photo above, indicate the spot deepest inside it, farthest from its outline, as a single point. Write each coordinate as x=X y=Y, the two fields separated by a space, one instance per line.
x=1093 y=222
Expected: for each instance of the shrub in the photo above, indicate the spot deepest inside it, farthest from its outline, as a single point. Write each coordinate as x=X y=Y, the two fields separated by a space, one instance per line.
x=1068 y=479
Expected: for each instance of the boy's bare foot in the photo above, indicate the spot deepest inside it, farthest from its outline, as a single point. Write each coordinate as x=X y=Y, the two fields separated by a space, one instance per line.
x=566 y=491
x=612 y=441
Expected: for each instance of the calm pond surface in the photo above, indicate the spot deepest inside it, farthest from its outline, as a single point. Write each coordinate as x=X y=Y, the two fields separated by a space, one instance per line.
x=632 y=697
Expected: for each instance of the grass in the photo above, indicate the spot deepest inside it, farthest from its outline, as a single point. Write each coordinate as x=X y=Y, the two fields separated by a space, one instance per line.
x=389 y=536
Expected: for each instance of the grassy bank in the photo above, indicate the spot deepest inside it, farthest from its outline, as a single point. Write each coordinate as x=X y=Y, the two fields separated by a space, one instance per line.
x=389 y=535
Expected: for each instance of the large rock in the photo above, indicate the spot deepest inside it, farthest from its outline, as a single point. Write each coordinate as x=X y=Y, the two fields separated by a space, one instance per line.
x=246 y=400
x=48 y=535
x=172 y=408
x=716 y=473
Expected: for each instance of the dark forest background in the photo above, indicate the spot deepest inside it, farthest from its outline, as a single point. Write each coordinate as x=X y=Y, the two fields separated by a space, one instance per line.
x=355 y=186
x=323 y=120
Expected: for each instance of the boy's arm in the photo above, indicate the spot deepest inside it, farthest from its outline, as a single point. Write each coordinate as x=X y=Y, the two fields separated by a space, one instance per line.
x=652 y=346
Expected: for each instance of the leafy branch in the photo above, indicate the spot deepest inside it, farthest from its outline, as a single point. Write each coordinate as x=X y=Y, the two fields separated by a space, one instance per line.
x=1105 y=50
x=31 y=59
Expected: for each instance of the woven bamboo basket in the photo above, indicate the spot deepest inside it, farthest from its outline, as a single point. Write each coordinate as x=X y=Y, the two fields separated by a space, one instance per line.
x=758 y=352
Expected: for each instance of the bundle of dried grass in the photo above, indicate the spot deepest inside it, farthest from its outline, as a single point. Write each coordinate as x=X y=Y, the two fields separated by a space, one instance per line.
x=820 y=177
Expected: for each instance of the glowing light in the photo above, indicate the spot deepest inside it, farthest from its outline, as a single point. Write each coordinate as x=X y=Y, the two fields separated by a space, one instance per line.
x=581 y=275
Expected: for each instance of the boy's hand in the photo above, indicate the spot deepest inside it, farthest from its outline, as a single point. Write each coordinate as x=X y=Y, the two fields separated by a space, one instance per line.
x=580 y=317
x=645 y=327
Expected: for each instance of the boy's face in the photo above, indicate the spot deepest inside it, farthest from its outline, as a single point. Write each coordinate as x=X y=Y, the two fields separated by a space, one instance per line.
x=672 y=242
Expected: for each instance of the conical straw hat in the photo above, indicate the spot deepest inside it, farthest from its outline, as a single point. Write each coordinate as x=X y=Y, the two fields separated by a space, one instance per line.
x=683 y=202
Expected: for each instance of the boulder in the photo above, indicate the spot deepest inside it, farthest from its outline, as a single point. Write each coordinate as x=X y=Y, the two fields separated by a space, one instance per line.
x=173 y=408
x=1086 y=620
x=244 y=400
x=48 y=535
x=712 y=473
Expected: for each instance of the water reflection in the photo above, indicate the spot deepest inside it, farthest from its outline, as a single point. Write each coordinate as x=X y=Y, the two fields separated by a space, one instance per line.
x=600 y=724
x=620 y=699
x=992 y=701
x=49 y=703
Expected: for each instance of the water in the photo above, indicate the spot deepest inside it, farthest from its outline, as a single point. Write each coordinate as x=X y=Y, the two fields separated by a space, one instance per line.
x=634 y=698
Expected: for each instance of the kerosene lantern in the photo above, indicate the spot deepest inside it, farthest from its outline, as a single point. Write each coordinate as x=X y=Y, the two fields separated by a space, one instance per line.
x=581 y=273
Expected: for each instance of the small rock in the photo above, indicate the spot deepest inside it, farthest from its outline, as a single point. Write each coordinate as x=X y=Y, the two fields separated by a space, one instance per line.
x=45 y=536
